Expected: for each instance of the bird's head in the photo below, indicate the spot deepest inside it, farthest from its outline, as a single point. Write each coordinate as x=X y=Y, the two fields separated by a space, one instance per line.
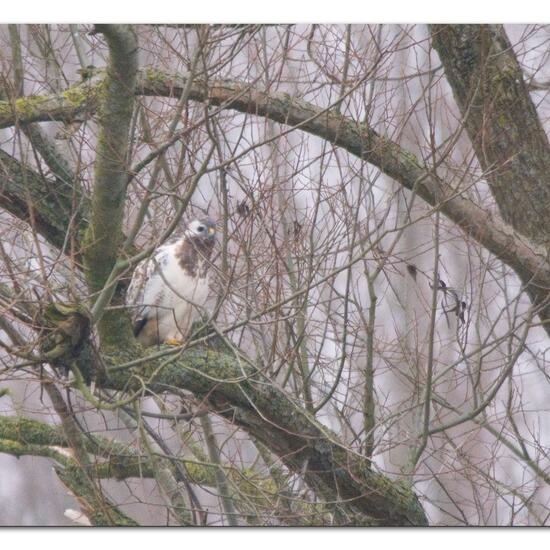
x=202 y=229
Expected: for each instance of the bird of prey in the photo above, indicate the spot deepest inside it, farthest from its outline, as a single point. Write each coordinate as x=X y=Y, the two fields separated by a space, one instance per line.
x=169 y=289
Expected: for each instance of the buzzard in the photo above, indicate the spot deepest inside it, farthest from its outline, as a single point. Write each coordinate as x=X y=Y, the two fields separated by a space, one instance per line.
x=169 y=289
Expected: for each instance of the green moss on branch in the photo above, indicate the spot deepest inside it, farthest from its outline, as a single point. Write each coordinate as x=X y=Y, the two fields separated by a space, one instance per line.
x=104 y=233
x=242 y=396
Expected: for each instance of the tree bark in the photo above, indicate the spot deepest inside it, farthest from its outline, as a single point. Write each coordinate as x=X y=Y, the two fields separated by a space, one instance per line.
x=508 y=138
x=52 y=207
x=249 y=400
x=104 y=233
x=523 y=255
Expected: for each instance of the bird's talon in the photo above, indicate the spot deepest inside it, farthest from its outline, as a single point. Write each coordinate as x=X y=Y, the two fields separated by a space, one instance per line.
x=173 y=342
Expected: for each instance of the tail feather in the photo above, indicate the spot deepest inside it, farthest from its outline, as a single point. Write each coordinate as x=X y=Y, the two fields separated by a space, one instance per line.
x=139 y=324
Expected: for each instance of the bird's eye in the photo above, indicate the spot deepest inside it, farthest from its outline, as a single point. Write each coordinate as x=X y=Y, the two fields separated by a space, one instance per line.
x=200 y=229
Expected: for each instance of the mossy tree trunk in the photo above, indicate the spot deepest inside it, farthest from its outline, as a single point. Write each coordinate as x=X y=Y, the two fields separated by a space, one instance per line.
x=503 y=125
x=104 y=233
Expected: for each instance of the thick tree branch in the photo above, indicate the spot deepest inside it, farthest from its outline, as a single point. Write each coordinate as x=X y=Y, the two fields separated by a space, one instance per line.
x=20 y=436
x=505 y=130
x=498 y=237
x=246 y=398
x=256 y=405
x=104 y=233
x=501 y=120
x=41 y=142
x=305 y=446
x=52 y=207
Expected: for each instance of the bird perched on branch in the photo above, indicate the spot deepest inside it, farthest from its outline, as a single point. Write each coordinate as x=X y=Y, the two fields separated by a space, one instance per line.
x=169 y=289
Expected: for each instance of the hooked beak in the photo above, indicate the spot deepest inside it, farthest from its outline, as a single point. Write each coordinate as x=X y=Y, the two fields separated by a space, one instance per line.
x=211 y=231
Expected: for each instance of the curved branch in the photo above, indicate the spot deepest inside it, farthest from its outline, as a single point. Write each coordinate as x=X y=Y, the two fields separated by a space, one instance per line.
x=246 y=398
x=20 y=436
x=505 y=130
x=47 y=204
x=256 y=405
x=490 y=230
